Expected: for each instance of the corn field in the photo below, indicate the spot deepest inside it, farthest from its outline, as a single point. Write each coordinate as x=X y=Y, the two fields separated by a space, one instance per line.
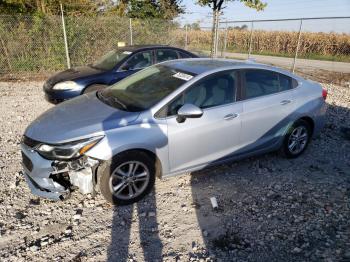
x=328 y=45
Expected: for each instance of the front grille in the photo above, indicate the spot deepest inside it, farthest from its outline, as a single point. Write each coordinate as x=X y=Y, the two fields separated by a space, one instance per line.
x=27 y=162
x=29 y=142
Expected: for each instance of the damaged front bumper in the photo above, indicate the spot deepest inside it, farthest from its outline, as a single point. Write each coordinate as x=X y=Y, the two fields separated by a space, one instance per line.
x=55 y=179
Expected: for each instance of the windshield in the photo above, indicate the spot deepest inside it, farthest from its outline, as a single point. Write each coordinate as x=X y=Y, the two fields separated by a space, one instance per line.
x=144 y=89
x=109 y=60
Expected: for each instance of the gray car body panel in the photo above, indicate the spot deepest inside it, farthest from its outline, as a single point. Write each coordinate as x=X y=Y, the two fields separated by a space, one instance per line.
x=85 y=116
x=259 y=124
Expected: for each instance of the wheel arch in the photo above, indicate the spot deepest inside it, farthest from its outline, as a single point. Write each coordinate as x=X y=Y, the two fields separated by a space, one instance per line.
x=157 y=162
x=310 y=121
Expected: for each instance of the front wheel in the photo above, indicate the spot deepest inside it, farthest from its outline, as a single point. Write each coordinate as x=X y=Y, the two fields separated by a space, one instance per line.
x=297 y=139
x=128 y=178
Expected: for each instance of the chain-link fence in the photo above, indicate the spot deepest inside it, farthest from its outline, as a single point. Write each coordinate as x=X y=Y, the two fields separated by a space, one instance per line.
x=31 y=44
x=34 y=45
x=318 y=48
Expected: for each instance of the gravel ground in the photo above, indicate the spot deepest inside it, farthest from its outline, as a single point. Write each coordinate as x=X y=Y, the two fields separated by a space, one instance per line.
x=270 y=208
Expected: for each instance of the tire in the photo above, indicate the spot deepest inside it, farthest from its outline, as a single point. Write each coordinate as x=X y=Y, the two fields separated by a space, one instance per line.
x=93 y=88
x=120 y=166
x=300 y=133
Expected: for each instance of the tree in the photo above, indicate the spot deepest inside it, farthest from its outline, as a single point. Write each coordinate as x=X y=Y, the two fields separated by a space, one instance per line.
x=240 y=28
x=43 y=7
x=194 y=26
x=216 y=6
x=164 y=9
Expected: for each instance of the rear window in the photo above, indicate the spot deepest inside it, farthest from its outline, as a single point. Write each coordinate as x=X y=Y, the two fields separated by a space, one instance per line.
x=265 y=82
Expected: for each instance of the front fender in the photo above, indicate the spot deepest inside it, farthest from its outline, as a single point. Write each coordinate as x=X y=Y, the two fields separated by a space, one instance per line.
x=146 y=136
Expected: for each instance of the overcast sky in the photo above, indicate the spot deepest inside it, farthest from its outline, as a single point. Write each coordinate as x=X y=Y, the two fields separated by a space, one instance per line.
x=277 y=9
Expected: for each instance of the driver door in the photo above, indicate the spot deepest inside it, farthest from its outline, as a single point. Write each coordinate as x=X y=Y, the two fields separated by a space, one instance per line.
x=213 y=136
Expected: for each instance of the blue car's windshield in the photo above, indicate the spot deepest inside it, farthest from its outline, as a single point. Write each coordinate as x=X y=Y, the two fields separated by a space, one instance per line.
x=144 y=89
x=109 y=60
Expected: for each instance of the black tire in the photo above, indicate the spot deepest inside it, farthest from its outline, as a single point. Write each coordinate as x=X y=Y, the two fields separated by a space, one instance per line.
x=106 y=182
x=94 y=88
x=288 y=139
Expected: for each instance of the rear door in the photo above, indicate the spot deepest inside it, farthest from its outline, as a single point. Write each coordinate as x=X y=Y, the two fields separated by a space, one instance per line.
x=268 y=104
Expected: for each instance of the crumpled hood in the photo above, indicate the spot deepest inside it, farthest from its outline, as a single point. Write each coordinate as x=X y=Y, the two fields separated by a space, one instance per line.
x=76 y=118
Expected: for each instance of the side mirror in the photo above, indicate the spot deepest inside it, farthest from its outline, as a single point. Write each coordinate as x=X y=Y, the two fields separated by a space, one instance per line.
x=188 y=111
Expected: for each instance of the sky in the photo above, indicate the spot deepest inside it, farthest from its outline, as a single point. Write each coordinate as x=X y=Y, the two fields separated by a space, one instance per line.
x=277 y=9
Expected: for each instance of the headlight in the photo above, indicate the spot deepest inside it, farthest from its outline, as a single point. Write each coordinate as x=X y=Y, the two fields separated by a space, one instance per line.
x=66 y=85
x=68 y=150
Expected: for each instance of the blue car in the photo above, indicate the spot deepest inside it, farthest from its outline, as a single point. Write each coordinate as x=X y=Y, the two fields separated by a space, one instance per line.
x=109 y=69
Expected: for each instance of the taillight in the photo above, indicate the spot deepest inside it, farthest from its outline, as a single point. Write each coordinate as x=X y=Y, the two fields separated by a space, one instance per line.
x=324 y=93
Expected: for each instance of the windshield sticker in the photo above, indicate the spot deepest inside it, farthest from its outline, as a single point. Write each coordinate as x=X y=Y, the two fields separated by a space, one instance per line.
x=127 y=52
x=183 y=76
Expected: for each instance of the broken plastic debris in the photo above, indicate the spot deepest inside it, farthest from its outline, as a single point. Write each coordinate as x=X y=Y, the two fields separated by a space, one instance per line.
x=214 y=202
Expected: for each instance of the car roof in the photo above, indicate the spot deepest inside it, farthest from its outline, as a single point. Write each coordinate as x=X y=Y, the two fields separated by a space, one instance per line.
x=203 y=65
x=133 y=48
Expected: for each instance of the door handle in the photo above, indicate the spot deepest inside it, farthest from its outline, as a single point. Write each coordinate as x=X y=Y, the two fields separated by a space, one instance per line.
x=285 y=102
x=230 y=116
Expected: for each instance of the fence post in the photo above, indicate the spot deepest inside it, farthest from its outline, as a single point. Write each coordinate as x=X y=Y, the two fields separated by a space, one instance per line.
x=186 y=37
x=130 y=29
x=217 y=34
x=298 y=44
x=251 y=39
x=65 y=37
x=223 y=53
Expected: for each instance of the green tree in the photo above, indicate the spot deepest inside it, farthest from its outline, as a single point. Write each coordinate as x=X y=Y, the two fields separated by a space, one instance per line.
x=45 y=7
x=216 y=6
x=164 y=9
x=194 y=26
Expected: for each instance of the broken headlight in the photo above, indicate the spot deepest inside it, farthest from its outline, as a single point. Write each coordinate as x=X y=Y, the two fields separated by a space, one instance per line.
x=68 y=150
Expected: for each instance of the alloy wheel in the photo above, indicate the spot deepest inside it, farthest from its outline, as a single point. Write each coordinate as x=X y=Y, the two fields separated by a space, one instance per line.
x=129 y=180
x=298 y=140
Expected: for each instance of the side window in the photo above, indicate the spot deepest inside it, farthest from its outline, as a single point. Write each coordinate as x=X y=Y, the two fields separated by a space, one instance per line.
x=184 y=55
x=165 y=54
x=139 y=60
x=219 y=89
x=264 y=82
x=260 y=83
x=286 y=82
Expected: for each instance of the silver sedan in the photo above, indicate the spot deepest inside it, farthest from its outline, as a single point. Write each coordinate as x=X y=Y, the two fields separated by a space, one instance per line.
x=168 y=119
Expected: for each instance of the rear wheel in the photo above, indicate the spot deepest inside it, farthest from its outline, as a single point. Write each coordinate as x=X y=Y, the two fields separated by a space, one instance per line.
x=297 y=139
x=128 y=178
x=93 y=88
